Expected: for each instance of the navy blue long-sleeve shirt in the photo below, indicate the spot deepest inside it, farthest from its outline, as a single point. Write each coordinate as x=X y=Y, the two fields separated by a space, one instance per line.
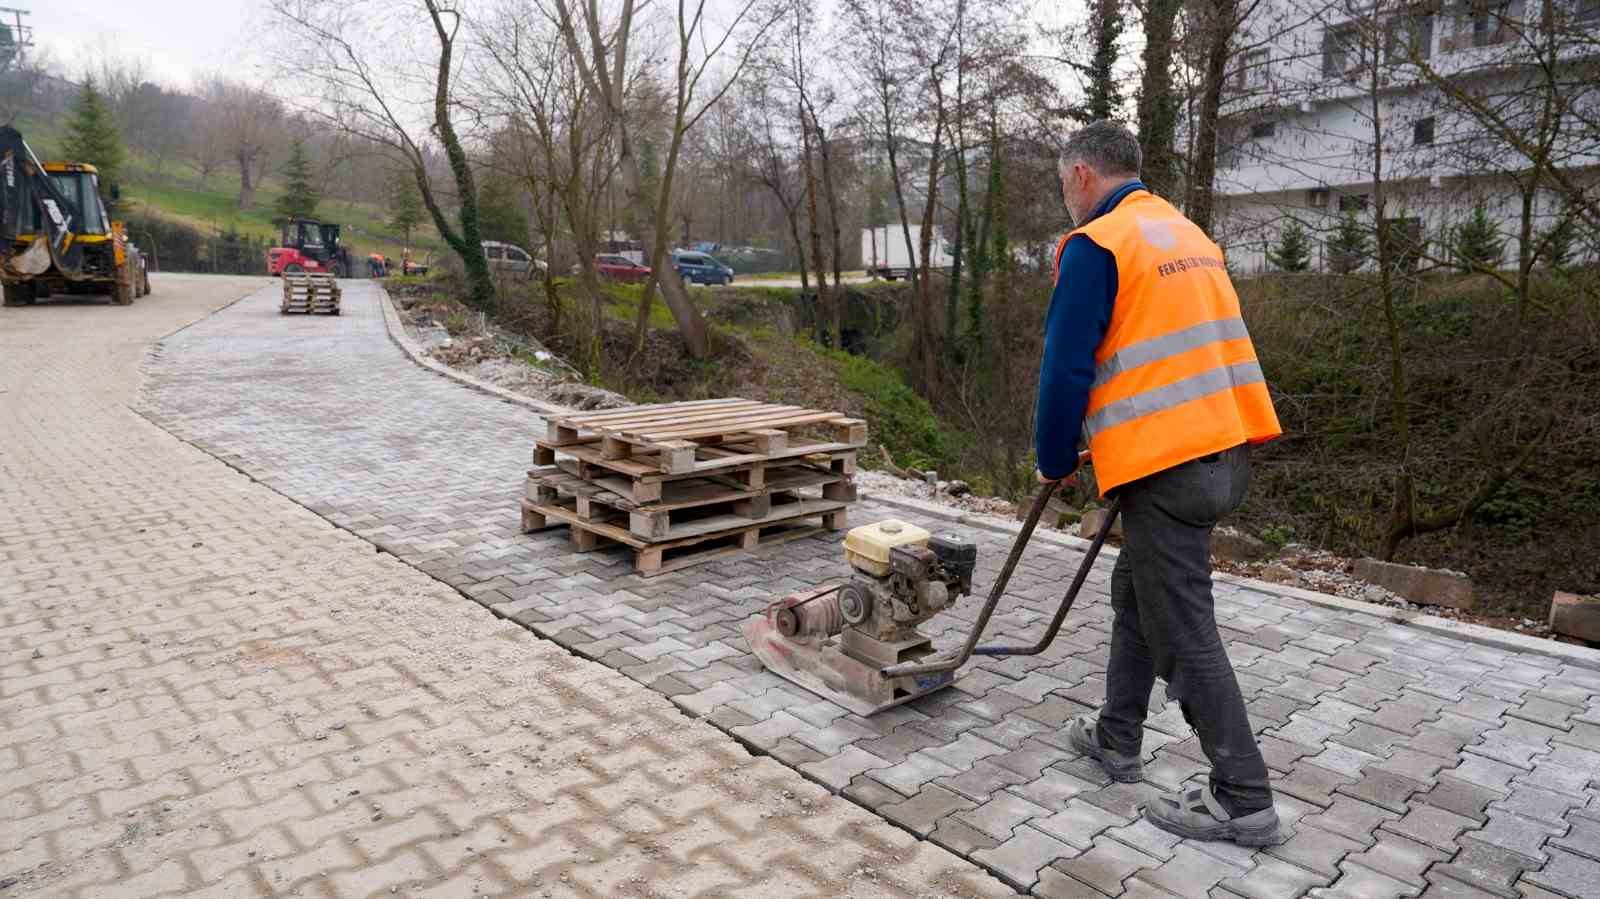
x=1080 y=313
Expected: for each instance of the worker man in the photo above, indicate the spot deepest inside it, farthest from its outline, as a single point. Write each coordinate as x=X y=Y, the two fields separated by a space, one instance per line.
x=1146 y=355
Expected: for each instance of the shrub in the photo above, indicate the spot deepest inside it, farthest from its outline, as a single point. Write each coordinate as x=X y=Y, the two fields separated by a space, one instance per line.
x=902 y=421
x=1293 y=252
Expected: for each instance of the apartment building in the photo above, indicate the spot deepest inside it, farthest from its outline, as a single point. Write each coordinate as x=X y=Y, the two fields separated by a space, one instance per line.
x=1323 y=95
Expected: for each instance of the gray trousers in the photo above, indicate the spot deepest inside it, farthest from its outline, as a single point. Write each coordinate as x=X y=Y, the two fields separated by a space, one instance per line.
x=1165 y=624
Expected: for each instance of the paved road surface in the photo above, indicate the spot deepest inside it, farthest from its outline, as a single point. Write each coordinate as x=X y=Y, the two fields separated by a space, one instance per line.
x=208 y=690
x=1406 y=762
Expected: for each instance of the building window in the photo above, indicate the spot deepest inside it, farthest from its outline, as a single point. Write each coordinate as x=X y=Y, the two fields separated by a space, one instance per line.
x=1262 y=130
x=1253 y=71
x=1422 y=132
x=1341 y=51
x=1409 y=36
x=1352 y=202
x=1317 y=198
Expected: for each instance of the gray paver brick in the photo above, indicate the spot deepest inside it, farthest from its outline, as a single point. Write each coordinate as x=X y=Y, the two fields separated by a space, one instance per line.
x=1019 y=859
x=1514 y=833
x=1360 y=882
x=1106 y=865
x=1486 y=867
x=1274 y=878
x=1400 y=858
x=1569 y=875
x=838 y=770
x=1079 y=823
x=908 y=777
x=1000 y=816
x=1316 y=850
x=921 y=813
x=1432 y=826
x=981 y=781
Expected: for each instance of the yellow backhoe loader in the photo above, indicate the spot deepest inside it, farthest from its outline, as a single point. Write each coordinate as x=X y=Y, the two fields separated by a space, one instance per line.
x=55 y=234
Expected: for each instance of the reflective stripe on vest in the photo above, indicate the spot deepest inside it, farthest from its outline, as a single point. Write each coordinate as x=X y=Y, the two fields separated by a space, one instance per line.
x=1172 y=395
x=1176 y=376
x=1168 y=345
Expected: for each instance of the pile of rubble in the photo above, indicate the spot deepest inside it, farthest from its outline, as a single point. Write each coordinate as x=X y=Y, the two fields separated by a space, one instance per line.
x=515 y=363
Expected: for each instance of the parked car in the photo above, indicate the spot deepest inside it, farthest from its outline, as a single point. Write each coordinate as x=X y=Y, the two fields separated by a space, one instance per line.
x=506 y=257
x=699 y=268
x=620 y=268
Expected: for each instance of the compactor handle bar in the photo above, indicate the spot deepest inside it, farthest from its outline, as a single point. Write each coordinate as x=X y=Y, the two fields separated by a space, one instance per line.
x=952 y=662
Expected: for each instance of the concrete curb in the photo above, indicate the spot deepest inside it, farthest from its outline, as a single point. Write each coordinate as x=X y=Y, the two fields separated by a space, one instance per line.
x=397 y=334
x=1580 y=656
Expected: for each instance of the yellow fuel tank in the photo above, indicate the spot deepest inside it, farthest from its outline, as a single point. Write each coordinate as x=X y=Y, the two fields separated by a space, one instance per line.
x=867 y=547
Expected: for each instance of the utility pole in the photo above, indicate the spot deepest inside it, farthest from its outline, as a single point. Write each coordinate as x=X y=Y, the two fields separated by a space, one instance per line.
x=15 y=38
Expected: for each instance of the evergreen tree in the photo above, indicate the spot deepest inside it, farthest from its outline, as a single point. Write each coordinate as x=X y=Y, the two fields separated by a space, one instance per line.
x=500 y=216
x=1293 y=252
x=1558 y=242
x=92 y=137
x=1102 y=99
x=1349 y=247
x=405 y=204
x=299 y=197
x=1478 y=245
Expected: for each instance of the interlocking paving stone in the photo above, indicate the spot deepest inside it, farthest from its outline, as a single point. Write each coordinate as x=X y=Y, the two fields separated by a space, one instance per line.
x=1018 y=859
x=1106 y=865
x=1433 y=826
x=921 y=813
x=1079 y=823
x=1001 y=814
x=1360 y=882
x=1316 y=850
x=1191 y=873
x=1568 y=874
x=1273 y=878
x=1350 y=704
x=1053 y=789
x=1400 y=858
x=1515 y=833
x=1583 y=838
x=981 y=781
x=1486 y=867
x=1441 y=887
x=1384 y=789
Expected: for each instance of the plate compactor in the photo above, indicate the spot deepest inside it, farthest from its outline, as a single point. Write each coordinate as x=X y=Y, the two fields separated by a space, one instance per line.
x=857 y=643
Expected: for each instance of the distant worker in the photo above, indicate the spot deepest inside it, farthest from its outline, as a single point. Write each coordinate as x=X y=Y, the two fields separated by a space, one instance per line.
x=376 y=265
x=1147 y=356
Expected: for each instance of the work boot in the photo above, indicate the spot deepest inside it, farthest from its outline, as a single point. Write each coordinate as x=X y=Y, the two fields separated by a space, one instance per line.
x=1084 y=735
x=1197 y=815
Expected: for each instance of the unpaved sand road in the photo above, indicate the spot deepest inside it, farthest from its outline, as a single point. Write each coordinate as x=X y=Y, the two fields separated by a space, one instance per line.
x=206 y=689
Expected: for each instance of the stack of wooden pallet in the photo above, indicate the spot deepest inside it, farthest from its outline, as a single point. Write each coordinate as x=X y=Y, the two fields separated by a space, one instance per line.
x=682 y=482
x=310 y=292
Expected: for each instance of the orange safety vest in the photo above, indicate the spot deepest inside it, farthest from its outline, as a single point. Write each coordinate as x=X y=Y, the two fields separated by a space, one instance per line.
x=1176 y=376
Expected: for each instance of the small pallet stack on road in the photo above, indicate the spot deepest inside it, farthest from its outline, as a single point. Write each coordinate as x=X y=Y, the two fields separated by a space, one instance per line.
x=683 y=482
x=310 y=292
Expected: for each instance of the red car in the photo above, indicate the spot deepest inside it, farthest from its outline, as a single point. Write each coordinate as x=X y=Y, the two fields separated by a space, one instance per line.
x=621 y=268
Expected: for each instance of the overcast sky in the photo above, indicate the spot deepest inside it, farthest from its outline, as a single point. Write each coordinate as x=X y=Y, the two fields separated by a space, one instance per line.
x=174 y=38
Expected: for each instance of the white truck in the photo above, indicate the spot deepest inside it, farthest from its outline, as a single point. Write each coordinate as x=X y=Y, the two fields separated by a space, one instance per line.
x=884 y=253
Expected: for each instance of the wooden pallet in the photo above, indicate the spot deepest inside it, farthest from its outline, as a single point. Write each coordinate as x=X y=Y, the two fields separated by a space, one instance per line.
x=645 y=481
x=676 y=438
x=683 y=500
x=308 y=293
x=689 y=542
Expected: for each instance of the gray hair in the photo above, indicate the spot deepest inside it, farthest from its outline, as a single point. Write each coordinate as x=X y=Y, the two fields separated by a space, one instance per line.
x=1104 y=146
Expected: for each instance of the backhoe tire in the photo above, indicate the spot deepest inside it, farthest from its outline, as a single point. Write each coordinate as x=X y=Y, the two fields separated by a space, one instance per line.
x=122 y=292
x=19 y=294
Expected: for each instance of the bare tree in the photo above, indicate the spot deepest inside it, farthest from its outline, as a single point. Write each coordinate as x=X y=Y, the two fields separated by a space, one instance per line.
x=371 y=79
x=244 y=120
x=601 y=49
